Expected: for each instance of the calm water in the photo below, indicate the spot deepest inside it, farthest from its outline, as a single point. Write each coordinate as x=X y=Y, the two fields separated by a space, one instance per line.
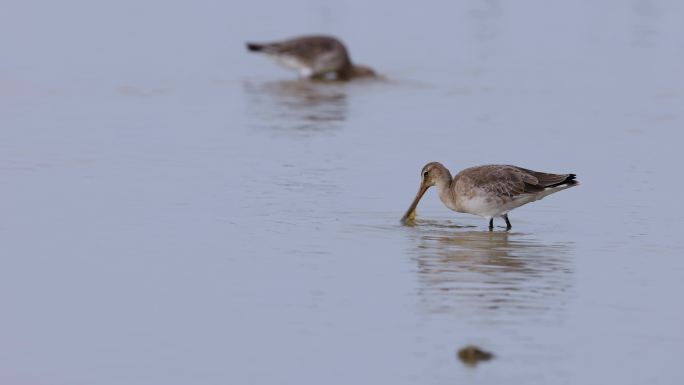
x=177 y=211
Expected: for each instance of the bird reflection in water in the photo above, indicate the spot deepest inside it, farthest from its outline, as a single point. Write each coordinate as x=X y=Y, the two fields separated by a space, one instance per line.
x=491 y=273
x=299 y=105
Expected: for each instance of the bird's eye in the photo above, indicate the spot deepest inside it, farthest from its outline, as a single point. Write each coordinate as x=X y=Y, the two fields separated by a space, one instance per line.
x=425 y=174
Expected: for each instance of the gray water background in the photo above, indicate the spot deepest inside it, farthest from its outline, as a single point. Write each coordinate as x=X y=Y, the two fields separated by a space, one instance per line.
x=177 y=211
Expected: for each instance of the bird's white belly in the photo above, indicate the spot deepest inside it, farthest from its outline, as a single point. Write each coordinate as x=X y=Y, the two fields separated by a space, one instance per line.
x=294 y=63
x=490 y=207
x=482 y=206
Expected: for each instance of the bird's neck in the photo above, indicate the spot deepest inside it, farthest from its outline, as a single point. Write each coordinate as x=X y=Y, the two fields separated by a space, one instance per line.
x=349 y=71
x=444 y=190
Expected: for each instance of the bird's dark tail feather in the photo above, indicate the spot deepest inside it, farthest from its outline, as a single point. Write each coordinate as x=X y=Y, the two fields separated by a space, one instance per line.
x=570 y=180
x=254 y=47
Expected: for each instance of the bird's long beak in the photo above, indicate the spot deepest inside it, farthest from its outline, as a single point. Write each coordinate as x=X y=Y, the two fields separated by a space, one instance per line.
x=411 y=212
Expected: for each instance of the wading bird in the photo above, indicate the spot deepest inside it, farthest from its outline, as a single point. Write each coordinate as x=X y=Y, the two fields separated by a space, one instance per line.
x=315 y=57
x=488 y=191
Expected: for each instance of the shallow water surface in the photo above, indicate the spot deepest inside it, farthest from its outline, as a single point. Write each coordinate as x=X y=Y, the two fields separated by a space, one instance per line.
x=176 y=210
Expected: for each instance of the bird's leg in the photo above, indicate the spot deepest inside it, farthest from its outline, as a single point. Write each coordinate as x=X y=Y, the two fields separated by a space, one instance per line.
x=491 y=224
x=508 y=223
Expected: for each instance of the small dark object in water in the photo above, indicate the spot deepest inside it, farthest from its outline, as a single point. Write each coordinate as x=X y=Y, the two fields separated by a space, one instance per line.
x=471 y=355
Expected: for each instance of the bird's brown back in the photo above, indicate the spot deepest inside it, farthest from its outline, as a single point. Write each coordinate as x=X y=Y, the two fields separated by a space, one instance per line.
x=507 y=180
